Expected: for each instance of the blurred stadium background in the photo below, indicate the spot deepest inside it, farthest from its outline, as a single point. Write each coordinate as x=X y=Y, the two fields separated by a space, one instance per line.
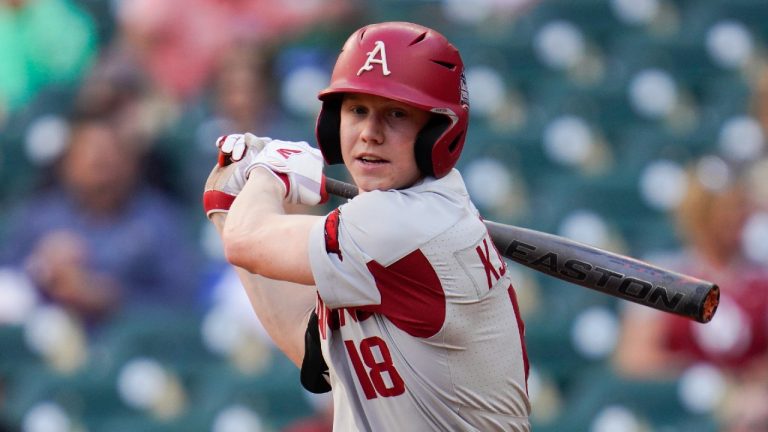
x=585 y=115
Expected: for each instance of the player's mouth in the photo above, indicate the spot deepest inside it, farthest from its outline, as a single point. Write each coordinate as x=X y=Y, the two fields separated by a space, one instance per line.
x=371 y=160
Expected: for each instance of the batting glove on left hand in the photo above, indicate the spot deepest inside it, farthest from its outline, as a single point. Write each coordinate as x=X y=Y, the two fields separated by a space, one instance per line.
x=299 y=166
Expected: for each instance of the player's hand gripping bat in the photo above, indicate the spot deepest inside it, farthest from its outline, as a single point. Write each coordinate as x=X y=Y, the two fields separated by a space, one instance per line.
x=610 y=273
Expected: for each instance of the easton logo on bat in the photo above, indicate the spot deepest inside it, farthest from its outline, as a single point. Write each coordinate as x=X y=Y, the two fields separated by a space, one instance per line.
x=578 y=271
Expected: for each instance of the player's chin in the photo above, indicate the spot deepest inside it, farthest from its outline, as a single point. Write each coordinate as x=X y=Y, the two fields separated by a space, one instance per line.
x=368 y=183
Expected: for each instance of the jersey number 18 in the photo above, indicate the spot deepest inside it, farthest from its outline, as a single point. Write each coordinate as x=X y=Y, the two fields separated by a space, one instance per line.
x=370 y=370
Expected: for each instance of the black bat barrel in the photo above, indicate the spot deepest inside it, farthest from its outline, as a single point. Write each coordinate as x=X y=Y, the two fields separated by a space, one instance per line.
x=607 y=272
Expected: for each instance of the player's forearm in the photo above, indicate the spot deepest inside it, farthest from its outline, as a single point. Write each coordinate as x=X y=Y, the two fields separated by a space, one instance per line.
x=259 y=237
x=283 y=308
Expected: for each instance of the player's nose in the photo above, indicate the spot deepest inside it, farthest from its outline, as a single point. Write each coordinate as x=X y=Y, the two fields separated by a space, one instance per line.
x=373 y=131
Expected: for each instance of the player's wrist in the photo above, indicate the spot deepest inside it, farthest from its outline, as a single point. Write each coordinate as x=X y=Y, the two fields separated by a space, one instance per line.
x=218 y=218
x=270 y=179
x=216 y=201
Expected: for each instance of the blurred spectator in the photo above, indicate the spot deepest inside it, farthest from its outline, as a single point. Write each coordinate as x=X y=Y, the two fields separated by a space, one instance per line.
x=99 y=238
x=43 y=42
x=711 y=218
x=243 y=88
x=180 y=42
x=118 y=86
x=711 y=222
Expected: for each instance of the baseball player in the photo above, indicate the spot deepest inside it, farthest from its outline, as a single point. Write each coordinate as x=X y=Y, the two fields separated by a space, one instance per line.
x=397 y=301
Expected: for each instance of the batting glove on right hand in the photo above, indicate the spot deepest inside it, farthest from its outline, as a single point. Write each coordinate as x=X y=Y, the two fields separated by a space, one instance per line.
x=237 y=154
x=299 y=166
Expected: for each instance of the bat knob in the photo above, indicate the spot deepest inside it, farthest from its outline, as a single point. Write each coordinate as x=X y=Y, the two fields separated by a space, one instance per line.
x=710 y=304
x=223 y=160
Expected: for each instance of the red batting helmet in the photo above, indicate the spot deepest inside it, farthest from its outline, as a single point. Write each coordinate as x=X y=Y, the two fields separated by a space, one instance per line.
x=408 y=63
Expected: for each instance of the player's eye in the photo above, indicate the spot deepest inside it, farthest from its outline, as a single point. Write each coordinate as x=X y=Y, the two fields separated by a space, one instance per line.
x=398 y=114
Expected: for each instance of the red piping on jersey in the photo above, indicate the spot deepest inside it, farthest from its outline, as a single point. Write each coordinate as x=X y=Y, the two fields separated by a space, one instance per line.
x=521 y=329
x=412 y=296
x=332 y=233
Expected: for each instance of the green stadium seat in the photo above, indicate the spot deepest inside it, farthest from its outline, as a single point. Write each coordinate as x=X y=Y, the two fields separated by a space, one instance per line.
x=15 y=352
x=638 y=143
x=173 y=339
x=594 y=17
x=698 y=16
x=190 y=421
x=511 y=55
x=653 y=401
x=726 y=96
x=88 y=392
x=425 y=12
x=275 y=393
x=548 y=334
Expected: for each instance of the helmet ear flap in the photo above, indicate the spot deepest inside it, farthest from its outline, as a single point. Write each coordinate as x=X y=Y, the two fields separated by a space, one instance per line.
x=425 y=142
x=327 y=130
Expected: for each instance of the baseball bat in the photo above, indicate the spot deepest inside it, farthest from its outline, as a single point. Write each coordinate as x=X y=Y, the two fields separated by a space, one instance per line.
x=590 y=267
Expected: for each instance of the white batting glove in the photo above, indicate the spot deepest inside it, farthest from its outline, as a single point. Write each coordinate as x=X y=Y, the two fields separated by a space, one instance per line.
x=236 y=157
x=299 y=166
x=235 y=147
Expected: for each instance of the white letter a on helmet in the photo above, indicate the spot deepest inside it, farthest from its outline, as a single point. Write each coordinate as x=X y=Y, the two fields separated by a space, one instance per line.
x=378 y=48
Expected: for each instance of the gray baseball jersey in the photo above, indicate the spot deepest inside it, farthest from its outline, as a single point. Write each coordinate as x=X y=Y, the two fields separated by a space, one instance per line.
x=418 y=319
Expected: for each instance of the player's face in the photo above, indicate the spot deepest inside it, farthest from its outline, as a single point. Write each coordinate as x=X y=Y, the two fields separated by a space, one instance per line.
x=377 y=139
